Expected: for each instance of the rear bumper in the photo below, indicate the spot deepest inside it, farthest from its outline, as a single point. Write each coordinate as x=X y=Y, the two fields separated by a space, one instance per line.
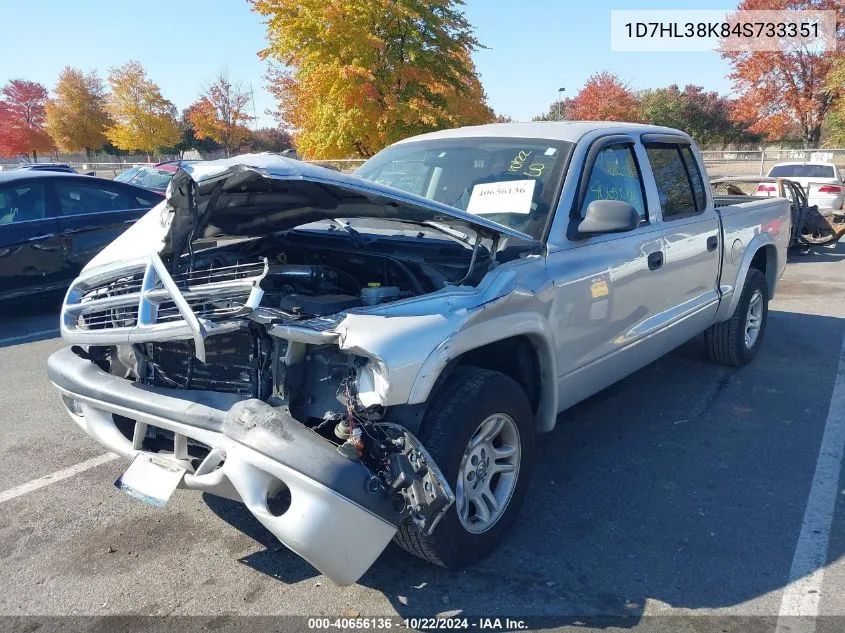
x=256 y=451
x=827 y=202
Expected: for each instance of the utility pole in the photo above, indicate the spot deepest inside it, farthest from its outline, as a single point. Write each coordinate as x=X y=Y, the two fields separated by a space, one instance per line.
x=252 y=99
x=560 y=92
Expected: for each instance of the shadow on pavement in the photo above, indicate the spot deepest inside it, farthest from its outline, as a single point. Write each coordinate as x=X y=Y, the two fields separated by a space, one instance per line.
x=30 y=319
x=818 y=254
x=684 y=484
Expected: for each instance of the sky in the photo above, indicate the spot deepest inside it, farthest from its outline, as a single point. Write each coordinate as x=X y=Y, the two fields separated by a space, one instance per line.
x=533 y=47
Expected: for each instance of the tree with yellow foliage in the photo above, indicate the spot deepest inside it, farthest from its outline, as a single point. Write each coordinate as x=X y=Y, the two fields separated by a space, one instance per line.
x=76 y=115
x=361 y=74
x=220 y=113
x=144 y=120
x=836 y=117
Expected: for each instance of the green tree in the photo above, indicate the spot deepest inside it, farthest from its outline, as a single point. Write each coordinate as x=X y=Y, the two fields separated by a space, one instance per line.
x=836 y=117
x=557 y=111
x=360 y=74
x=269 y=139
x=704 y=115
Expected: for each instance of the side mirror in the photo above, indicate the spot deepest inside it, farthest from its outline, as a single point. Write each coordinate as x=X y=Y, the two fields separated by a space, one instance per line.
x=609 y=216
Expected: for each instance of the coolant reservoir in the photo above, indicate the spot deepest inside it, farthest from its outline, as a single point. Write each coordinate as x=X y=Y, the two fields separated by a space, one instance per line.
x=375 y=293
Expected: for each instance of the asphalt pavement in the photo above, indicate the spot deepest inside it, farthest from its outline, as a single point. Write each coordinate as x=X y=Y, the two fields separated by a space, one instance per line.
x=686 y=490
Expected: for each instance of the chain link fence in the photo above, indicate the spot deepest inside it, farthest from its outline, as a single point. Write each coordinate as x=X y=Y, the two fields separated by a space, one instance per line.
x=729 y=163
x=720 y=164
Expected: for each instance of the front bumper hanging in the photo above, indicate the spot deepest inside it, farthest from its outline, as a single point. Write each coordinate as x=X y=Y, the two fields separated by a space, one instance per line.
x=337 y=520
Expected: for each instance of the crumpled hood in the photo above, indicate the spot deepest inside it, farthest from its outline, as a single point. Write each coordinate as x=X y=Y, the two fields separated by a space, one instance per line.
x=256 y=194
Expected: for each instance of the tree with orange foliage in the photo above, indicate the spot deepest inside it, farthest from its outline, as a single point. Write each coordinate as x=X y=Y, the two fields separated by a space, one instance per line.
x=220 y=113
x=604 y=97
x=779 y=91
x=22 y=118
x=361 y=74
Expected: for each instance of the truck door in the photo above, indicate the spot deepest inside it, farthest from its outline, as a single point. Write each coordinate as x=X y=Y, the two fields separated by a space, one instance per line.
x=692 y=233
x=608 y=287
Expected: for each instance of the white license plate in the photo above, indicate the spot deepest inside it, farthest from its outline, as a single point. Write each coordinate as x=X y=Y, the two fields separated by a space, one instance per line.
x=151 y=479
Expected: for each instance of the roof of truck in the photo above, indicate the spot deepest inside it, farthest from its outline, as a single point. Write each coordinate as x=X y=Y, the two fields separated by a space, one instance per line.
x=570 y=131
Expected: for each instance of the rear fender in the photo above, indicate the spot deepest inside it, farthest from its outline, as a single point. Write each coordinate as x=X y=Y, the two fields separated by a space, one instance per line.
x=731 y=292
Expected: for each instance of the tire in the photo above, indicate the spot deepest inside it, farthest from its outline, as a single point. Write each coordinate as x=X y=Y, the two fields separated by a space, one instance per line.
x=726 y=342
x=458 y=408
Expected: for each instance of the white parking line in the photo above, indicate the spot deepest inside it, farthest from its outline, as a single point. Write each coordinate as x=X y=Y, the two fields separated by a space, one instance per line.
x=802 y=595
x=25 y=338
x=46 y=480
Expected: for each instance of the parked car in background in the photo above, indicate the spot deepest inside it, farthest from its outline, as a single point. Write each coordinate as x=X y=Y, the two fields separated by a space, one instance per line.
x=810 y=225
x=153 y=177
x=64 y=167
x=52 y=224
x=823 y=183
x=126 y=176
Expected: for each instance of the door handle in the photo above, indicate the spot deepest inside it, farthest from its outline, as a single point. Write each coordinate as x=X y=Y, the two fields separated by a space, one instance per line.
x=38 y=238
x=712 y=243
x=655 y=260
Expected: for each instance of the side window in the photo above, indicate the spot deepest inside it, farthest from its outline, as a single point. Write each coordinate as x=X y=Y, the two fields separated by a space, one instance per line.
x=143 y=201
x=22 y=202
x=672 y=179
x=615 y=176
x=83 y=197
x=695 y=178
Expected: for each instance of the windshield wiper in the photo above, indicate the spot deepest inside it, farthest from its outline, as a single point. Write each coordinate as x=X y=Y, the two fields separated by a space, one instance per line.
x=338 y=224
x=459 y=235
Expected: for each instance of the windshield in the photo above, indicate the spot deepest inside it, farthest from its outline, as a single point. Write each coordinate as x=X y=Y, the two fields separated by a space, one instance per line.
x=507 y=180
x=127 y=175
x=802 y=171
x=151 y=178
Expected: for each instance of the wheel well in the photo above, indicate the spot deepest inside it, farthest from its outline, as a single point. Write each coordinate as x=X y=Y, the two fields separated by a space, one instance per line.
x=515 y=357
x=765 y=260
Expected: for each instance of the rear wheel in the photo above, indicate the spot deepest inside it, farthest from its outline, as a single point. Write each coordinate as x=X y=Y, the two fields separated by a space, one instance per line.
x=737 y=340
x=480 y=431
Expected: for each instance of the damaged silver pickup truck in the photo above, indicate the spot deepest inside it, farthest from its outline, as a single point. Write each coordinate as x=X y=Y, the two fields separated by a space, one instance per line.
x=365 y=357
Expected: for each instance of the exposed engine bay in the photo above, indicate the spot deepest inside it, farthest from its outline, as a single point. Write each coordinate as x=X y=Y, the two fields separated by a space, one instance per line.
x=308 y=278
x=255 y=269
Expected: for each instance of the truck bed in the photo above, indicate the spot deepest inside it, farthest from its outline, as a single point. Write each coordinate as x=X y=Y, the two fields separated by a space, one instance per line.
x=743 y=219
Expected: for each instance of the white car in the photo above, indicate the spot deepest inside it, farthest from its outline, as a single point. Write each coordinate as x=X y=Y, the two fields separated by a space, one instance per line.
x=824 y=183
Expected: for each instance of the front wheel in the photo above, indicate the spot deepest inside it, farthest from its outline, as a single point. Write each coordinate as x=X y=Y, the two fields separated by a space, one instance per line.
x=480 y=431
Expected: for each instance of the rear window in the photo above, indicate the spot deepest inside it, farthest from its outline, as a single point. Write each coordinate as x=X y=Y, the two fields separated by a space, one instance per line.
x=673 y=180
x=802 y=171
